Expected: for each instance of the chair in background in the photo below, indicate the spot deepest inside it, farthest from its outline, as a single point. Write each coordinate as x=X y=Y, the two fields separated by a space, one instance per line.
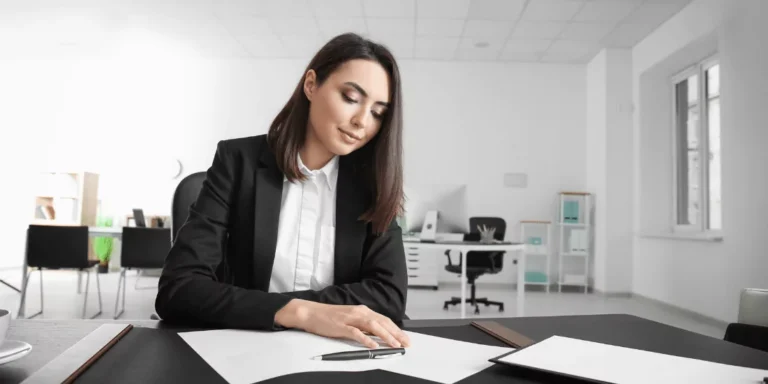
x=185 y=194
x=142 y=248
x=58 y=247
x=479 y=262
x=752 y=327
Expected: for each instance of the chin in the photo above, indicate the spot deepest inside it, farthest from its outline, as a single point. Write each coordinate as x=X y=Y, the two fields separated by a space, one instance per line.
x=341 y=148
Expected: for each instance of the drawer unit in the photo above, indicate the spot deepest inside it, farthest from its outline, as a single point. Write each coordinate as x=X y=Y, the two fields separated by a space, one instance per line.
x=421 y=267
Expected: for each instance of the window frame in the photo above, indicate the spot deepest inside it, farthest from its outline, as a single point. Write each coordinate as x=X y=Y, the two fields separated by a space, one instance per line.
x=700 y=70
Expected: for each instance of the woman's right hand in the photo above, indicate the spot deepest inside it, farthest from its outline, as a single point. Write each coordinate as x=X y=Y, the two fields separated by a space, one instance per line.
x=341 y=321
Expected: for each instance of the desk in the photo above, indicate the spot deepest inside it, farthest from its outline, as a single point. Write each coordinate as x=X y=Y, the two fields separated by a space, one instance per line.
x=106 y=232
x=465 y=247
x=49 y=338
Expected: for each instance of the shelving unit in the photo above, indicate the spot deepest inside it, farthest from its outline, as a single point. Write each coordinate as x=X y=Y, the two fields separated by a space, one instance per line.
x=575 y=239
x=537 y=237
x=67 y=198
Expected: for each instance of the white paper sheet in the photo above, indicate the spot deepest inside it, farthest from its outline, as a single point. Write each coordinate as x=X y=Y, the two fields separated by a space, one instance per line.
x=241 y=356
x=621 y=365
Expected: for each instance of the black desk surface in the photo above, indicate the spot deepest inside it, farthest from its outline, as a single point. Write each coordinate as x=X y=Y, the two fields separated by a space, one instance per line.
x=49 y=338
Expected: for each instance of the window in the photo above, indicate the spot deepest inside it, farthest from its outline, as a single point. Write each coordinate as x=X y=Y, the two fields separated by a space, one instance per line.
x=697 y=170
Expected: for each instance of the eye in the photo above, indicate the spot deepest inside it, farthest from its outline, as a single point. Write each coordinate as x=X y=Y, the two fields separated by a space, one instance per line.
x=347 y=98
x=377 y=115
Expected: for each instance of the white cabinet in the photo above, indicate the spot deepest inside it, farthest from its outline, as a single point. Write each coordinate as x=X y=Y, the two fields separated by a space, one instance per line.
x=422 y=266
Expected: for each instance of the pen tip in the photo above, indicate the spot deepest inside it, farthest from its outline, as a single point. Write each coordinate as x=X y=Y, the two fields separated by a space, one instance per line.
x=317 y=358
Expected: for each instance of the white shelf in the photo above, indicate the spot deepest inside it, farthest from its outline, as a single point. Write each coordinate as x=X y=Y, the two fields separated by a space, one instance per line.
x=574 y=254
x=574 y=266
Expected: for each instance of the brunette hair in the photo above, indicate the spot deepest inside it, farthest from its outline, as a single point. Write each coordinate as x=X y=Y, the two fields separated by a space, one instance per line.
x=381 y=158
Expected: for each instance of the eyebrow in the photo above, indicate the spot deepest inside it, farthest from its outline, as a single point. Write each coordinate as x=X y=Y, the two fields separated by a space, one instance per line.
x=364 y=93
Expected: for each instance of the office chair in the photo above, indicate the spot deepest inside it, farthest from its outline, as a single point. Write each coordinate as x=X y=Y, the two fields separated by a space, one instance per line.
x=479 y=262
x=751 y=330
x=185 y=194
x=58 y=247
x=142 y=248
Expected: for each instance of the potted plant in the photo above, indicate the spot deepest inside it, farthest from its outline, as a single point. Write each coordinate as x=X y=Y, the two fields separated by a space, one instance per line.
x=102 y=246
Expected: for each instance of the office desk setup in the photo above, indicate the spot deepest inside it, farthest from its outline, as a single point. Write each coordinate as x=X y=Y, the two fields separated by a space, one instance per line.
x=154 y=352
x=450 y=242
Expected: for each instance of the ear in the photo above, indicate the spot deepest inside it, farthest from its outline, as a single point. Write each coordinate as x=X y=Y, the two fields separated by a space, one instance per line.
x=310 y=84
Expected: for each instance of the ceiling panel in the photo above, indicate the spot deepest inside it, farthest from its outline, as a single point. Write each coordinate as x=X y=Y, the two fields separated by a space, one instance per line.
x=520 y=57
x=442 y=48
x=439 y=27
x=606 y=11
x=540 y=30
x=333 y=27
x=627 y=35
x=488 y=28
x=586 y=31
x=442 y=9
x=247 y=25
x=386 y=27
x=294 y=26
x=496 y=9
x=653 y=13
x=551 y=10
x=336 y=8
x=568 y=31
x=389 y=8
x=527 y=45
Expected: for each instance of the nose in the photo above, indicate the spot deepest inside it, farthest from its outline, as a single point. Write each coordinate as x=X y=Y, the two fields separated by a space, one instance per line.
x=360 y=119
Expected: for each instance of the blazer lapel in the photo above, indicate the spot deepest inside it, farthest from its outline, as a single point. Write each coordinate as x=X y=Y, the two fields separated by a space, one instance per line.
x=269 y=191
x=350 y=230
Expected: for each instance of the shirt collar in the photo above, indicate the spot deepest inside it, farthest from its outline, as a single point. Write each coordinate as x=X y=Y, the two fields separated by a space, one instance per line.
x=330 y=170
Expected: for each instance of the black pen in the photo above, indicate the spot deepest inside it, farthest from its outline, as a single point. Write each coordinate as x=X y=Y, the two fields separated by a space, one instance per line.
x=360 y=355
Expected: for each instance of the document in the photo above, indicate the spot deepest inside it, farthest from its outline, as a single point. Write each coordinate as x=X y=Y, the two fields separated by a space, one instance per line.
x=620 y=365
x=241 y=356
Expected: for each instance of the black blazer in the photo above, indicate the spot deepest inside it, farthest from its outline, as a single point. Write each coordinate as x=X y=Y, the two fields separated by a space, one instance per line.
x=218 y=270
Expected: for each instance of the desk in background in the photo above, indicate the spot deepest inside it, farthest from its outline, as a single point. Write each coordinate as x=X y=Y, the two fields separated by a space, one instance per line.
x=50 y=338
x=421 y=259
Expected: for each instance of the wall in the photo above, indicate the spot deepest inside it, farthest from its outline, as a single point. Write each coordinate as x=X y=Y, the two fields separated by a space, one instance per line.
x=702 y=276
x=126 y=119
x=609 y=149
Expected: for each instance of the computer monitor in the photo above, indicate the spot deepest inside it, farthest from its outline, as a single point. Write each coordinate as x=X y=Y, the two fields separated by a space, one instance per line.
x=436 y=208
x=138 y=218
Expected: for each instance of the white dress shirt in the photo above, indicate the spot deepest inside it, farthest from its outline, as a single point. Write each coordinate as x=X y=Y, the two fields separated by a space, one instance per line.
x=306 y=232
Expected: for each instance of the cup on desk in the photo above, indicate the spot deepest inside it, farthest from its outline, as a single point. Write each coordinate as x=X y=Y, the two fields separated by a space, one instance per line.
x=5 y=322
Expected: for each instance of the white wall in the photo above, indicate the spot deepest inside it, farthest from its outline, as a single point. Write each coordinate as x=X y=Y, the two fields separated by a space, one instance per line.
x=124 y=119
x=597 y=104
x=609 y=149
x=705 y=277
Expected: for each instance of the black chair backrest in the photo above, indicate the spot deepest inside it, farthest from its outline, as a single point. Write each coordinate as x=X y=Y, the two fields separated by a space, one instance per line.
x=185 y=194
x=144 y=247
x=54 y=246
x=484 y=259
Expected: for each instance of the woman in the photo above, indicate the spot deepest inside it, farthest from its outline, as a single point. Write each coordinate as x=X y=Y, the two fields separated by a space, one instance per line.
x=296 y=228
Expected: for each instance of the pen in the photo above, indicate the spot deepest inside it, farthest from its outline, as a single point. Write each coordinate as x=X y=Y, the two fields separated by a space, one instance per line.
x=360 y=355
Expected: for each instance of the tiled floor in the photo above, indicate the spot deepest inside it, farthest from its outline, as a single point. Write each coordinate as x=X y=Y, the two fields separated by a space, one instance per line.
x=63 y=302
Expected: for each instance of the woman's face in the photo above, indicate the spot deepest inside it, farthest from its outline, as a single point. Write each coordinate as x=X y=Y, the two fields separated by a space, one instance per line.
x=346 y=111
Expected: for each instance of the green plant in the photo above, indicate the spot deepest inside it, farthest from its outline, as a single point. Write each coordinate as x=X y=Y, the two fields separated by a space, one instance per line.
x=103 y=245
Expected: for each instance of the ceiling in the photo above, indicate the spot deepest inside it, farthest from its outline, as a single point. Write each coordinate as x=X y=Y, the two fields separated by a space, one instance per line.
x=554 y=31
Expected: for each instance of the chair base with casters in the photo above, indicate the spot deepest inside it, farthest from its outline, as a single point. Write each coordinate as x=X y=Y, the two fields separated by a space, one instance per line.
x=22 y=305
x=472 y=300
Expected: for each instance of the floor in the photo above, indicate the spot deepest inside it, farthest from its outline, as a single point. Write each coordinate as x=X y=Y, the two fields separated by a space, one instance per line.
x=63 y=302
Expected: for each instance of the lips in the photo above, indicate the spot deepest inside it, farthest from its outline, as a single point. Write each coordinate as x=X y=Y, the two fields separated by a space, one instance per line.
x=351 y=136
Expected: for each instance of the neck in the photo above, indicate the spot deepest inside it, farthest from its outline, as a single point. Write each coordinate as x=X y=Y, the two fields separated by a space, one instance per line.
x=313 y=153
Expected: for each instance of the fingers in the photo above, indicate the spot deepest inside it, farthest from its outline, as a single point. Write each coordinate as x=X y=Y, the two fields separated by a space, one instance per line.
x=395 y=331
x=358 y=335
x=377 y=329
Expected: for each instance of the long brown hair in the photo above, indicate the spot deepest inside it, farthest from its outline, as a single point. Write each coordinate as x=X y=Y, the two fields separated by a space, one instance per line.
x=381 y=158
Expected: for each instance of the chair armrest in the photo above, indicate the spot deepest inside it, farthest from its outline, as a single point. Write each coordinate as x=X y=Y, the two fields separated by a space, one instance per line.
x=448 y=255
